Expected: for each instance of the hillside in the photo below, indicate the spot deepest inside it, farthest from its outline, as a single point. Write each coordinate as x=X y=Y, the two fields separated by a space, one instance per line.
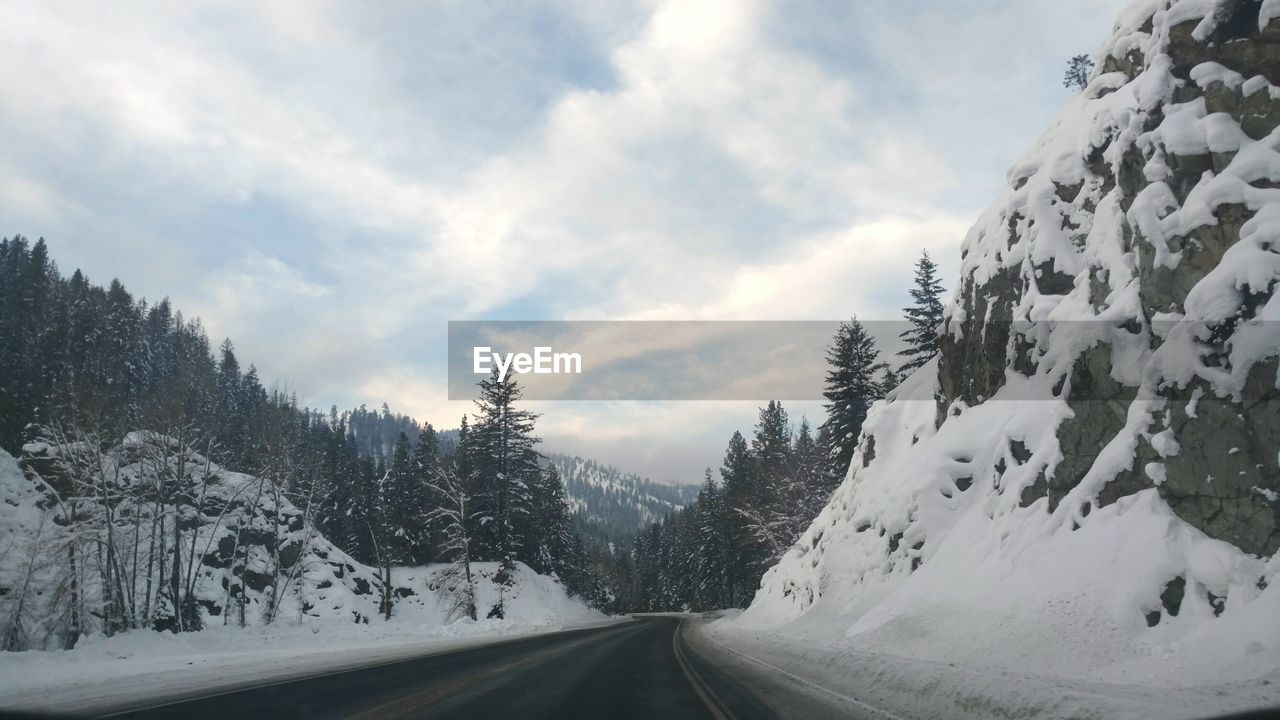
x=611 y=505
x=1085 y=483
x=241 y=553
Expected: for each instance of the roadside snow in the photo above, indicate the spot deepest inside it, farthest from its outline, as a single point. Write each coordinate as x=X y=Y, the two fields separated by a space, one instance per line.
x=152 y=667
x=899 y=687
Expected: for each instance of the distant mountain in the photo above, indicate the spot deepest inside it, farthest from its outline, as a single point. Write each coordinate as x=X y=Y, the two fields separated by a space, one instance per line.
x=611 y=505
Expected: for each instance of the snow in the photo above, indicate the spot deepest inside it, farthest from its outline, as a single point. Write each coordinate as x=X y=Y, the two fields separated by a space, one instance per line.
x=1270 y=10
x=534 y=598
x=909 y=589
x=328 y=620
x=890 y=686
x=151 y=666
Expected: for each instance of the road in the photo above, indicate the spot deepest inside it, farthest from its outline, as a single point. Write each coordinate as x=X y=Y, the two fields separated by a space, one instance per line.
x=639 y=669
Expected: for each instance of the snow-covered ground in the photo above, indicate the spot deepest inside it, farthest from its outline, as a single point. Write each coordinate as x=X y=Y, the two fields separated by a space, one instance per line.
x=150 y=666
x=844 y=678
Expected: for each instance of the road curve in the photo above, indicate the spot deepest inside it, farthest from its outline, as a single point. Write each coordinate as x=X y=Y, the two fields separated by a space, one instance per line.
x=641 y=669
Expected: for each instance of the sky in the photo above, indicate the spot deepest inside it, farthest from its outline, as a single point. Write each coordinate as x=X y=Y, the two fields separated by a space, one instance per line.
x=328 y=184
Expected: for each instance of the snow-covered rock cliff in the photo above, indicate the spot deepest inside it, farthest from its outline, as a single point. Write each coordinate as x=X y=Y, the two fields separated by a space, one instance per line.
x=1085 y=482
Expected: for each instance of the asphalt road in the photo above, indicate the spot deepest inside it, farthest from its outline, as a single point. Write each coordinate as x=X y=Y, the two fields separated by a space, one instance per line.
x=640 y=669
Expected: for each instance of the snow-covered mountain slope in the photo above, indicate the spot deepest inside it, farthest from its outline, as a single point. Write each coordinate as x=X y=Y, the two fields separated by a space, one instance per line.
x=1085 y=483
x=236 y=532
x=612 y=503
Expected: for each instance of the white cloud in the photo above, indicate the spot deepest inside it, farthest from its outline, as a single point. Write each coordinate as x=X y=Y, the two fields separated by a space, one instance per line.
x=717 y=171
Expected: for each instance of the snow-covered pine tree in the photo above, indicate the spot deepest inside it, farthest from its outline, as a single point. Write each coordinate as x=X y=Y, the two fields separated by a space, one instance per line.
x=713 y=551
x=227 y=402
x=769 y=514
x=736 y=483
x=503 y=464
x=924 y=316
x=548 y=536
x=812 y=485
x=888 y=380
x=426 y=460
x=850 y=389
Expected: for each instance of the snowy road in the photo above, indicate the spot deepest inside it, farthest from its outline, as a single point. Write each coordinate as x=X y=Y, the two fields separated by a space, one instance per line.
x=642 y=669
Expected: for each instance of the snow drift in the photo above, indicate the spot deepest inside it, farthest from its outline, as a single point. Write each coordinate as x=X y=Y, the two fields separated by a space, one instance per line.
x=1084 y=483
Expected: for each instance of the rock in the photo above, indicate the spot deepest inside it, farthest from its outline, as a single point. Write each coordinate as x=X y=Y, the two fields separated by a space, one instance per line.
x=1228 y=469
x=1227 y=451
x=1172 y=596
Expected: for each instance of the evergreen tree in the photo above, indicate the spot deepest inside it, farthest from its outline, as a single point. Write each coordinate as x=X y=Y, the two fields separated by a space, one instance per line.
x=739 y=493
x=735 y=472
x=713 y=551
x=811 y=485
x=770 y=515
x=404 y=508
x=1079 y=68
x=850 y=390
x=888 y=380
x=548 y=535
x=924 y=317
x=426 y=463
x=503 y=464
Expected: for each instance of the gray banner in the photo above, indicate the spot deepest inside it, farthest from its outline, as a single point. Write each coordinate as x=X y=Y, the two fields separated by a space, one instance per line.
x=651 y=360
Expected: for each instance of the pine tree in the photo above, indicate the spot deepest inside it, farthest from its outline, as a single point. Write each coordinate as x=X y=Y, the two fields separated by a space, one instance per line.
x=426 y=461
x=735 y=473
x=503 y=463
x=713 y=551
x=548 y=535
x=228 y=400
x=924 y=316
x=812 y=487
x=739 y=492
x=769 y=515
x=403 y=503
x=771 y=447
x=888 y=380
x=850 y=390
x=1079 y=68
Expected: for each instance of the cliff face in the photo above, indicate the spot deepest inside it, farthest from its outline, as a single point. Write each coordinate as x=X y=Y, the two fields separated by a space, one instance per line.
x=1133 y=262
x=1089 y=473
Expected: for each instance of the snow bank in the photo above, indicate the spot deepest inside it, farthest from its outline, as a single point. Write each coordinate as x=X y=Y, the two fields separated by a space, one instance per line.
x=147 y=666
x=532 y=599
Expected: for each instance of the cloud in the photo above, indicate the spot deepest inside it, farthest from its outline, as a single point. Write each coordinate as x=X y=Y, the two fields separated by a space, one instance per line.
x=329 y=183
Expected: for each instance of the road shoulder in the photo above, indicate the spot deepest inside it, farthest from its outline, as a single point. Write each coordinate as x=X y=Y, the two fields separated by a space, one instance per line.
x=155 y=668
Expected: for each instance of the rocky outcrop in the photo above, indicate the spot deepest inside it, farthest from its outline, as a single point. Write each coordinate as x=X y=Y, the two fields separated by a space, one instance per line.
x=1133 y=262
x=1087 y=480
